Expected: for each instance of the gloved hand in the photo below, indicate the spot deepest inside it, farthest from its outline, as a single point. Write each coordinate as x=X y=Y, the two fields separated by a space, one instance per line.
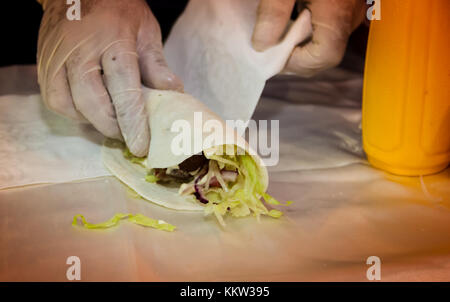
x=333 y=21
x=92 y=68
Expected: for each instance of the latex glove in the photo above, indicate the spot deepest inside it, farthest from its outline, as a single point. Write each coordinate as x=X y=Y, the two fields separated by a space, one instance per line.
x=333 y=21
x=92 y=69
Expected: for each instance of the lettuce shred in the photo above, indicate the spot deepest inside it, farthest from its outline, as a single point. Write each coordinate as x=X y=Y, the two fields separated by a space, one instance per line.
x=132 y=158
x=243 y=198
x=134 y=218
x=151 y=178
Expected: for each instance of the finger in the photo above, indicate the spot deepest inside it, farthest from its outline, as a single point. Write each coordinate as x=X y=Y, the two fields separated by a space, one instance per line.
x=325 y=50
x=154 y=70
x=52 y=78
x=332 y=26
x=122 y=79
x=272 y=19
x=57 y=96
x=90 y=96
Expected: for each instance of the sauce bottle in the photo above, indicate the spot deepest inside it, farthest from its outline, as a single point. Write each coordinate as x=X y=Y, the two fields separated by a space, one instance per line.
x=406 y=100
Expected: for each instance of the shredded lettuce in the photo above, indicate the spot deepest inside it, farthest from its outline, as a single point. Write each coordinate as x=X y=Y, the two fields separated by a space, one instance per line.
x=244 y=196
x=136 y=219
x=270 y=200
x=223 y=161
x=151 y=178
x=275 y=213
x=241 y=198
x=132 y=158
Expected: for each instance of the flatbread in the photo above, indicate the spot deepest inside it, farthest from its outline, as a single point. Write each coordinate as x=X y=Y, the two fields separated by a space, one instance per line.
x=164 y=108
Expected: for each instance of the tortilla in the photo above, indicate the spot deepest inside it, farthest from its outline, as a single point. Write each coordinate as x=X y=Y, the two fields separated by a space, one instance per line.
x=164 y=108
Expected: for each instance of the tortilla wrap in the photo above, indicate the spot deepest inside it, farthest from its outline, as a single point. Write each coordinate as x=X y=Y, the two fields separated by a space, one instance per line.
x=164 y=108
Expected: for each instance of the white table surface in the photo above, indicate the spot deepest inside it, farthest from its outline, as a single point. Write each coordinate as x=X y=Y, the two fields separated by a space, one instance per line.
x=341 y=215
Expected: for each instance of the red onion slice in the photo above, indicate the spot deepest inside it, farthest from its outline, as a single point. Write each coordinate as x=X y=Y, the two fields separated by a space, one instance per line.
x=198 y=191
x=198 y=188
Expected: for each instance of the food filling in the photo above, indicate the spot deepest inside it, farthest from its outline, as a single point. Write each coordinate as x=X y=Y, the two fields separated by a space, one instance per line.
x=225 y=184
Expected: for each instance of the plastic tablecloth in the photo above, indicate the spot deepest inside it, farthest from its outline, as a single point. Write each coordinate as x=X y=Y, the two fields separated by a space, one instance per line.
x=344 y=211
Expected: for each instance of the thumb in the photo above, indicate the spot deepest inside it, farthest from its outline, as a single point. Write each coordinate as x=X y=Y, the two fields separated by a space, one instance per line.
x=272 y=19
x=153 y=66
x=332 y=28
x=326 y=50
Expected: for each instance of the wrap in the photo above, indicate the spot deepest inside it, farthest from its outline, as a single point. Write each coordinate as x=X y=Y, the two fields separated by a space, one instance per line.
x=209 y=134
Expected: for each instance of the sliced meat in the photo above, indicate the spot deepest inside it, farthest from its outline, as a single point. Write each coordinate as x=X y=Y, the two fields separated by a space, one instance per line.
x=175 y=175
x=193 y=163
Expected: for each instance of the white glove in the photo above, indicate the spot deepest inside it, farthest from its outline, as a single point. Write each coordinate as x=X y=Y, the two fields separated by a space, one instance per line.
x=92 y=68
x=333 y=21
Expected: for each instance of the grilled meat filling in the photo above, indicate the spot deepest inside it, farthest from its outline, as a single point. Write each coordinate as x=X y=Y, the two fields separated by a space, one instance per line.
x=181 y=174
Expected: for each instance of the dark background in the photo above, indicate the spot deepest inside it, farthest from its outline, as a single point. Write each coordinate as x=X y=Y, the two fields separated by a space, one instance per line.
x=20 y=20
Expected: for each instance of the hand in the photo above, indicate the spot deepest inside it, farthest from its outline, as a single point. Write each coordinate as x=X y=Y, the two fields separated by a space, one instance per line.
x=333 y=21
x=92 y=69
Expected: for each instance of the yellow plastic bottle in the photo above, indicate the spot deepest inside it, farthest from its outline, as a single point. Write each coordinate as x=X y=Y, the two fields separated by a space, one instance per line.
x=406 y=99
